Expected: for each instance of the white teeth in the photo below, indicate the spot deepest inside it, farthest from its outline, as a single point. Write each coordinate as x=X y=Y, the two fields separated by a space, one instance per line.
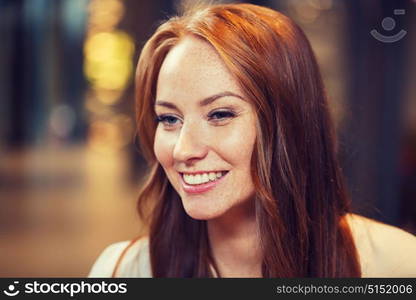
x=202 y=178
x=198 y=179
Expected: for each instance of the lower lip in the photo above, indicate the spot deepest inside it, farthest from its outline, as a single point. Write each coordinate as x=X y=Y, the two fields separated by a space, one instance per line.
x=200 y=188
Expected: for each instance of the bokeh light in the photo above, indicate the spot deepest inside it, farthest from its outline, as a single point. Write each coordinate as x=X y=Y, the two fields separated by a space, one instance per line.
x=108 y=60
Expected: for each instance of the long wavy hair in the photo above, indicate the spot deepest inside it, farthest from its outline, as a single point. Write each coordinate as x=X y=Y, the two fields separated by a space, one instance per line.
x=301 y=199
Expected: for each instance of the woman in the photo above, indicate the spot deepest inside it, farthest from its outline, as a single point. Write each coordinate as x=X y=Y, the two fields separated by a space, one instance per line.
x=244 y=182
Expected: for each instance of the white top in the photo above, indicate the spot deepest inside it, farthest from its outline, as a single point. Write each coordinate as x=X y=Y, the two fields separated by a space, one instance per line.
x=383 y=250
x=134 y=263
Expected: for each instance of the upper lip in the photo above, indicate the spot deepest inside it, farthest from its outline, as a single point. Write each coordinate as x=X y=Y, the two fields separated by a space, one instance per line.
x=201 y=172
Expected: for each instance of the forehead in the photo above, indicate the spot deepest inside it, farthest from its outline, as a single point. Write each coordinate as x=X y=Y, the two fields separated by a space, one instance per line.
x=194 y=68
x=191 y=49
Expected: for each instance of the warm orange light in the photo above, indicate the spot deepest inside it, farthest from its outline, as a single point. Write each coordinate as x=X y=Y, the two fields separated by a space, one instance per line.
x=110 y=135
x=104 y=15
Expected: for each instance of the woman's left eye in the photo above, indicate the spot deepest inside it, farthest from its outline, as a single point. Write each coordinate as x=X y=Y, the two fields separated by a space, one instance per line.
x=221 y=115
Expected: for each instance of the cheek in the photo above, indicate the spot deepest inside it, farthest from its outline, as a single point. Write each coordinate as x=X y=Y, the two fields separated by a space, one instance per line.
x=237 y=143
x=163 y=148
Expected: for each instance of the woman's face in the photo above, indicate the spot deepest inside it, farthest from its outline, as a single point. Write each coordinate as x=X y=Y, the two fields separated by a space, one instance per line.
x=206 y=131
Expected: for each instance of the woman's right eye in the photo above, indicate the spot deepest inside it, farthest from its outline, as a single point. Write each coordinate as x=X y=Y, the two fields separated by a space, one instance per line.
x=167 y=120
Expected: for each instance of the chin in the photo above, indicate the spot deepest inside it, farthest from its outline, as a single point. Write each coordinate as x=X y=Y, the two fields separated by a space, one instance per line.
x=201 y=213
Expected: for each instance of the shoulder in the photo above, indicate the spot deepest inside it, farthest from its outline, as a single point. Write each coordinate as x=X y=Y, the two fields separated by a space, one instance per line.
x=123 y=259
x=384 y=250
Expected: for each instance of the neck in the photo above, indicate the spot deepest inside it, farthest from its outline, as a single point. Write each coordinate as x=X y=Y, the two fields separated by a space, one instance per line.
x=235 y=243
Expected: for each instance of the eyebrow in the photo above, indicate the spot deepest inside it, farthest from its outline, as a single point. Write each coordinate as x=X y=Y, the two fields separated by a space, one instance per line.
x=203 y=102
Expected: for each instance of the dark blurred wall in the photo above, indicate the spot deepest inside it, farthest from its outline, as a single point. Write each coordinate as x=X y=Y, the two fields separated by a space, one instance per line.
x=373 y=134
x=41 y=67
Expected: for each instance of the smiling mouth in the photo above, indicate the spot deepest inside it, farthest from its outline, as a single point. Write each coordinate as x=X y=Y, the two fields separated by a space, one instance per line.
x=202 y=178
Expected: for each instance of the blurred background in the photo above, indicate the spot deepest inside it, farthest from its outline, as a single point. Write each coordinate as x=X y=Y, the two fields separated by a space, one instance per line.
x=70 y=169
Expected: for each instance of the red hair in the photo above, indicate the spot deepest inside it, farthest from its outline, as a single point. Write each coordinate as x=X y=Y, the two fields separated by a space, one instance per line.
x=301 y=199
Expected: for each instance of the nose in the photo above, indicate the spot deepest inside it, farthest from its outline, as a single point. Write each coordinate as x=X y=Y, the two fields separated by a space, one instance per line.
x=190 y=145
